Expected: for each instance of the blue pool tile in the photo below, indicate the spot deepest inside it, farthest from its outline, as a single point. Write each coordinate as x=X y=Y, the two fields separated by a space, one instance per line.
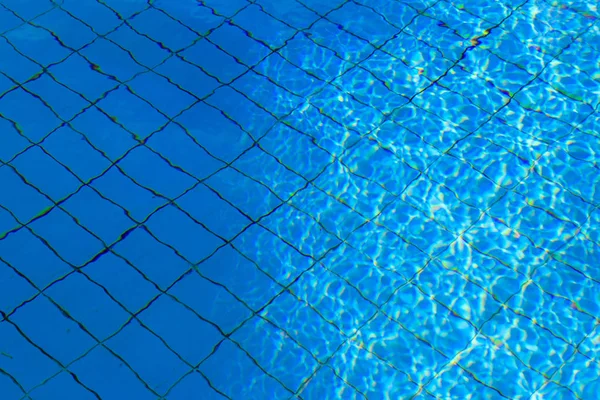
x=294 y=14
x=153 y=172
x=214 y=61
x=370 y=373
x=185 y=333
x=127 y=109
x=287 y=75
x=58 y=228
x=346 y=46
x=189 y=78
x=552 y=313
x=103 y=270
x=383 y=246
x=29 y=9
x=8 y=19
x=210 y=301
x=241 y=276
x=488 y=272
x=16 y=65
x=263 y=27
x=320 y=337
x=24 y=252
x=193 y=385
x=77 y=295
x=267 y=170
x=78 y=75
x=230 y=369
x=44 y=50
x=138 y=201
x=396 y=14
x=273 y=98
x=529 y=341
x=324 y=383
x=326 y=133
x=191 y=14
x=7 y=222
x=178 y=230
x=363 y=22
x=27 y=364
x=22 y=199
x=36 y=166
x=182 y=151
x=108 y=221
x=363 y=195
x=40 y=121
x=207 y=207
x=282 y=262
x=425 y=318
x=370 y=161
x=70 y=31
x=235 y=42
x=111 y=59
x=65 y=386
x=304 y=234
x=72 y=150
x=254 y=120
x=550 y=389
x=455 y=381
x=335 y=217
x=580 y=253
x=351 y=317
x=45 y=324
x=455 y=291
x=115 y=378
x=140 y=348
x=225 y=9
x=99 y=17
x=401 y=349
x=252 y=198
x=283 y=140
x=276 y=352
x=217 y=134
x=126 y=9
x=163 y=29
x=142 y=49
x=441 y=204
x=161 y=94
x=573 y=86
x=322 y=62
x=15 y=289
x=580 y=374
x=157 y=262
x=320 y=7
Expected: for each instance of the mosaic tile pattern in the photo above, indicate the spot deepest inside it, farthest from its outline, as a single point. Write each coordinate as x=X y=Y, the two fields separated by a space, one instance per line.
x=299 y=199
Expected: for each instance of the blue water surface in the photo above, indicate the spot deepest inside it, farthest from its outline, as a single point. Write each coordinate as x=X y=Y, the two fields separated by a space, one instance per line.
x=299 y=199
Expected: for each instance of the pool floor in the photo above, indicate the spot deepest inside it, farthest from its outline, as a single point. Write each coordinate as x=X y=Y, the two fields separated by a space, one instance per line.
x=299 y=199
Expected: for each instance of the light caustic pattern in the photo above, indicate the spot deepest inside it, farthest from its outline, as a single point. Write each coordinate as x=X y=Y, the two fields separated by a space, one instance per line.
x=299 y=199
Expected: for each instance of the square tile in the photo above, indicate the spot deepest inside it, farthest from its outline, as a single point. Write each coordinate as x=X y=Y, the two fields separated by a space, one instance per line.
x=143 y=50
x=29 y=9
x=104 y=219
x=44 y=50
x=210 y=301
x=163 y=29
x=580 y=374
x=15 y=65
x=112 y=60
x=289 y=76
x=189 y=78
x=142 y=350
x=159 y=264
x=346 y=46
x=46 y=325
x=191 y=14
x=71 y=31
x=151 y=171
x=65 y=386
x=127 y=9
x=72 y=150
x=23 y=200
x=214 y=62
x=161 y=94
x=363 y=22
x=230 y=369
x=132 y=113
x=276 y=352
x=25 y=252
x=12 y=142
x=241 y=276
x=185 y=333
x=15 y=288
x=26 y=363
x=263 y=27
x=234 y=41
x=455 y=381
x=185 y=235
x=208 y=208
x=325 y=382
x=103 y=271
x=59 y=228
x=292 y=13
x=192 y=385
x=101 y=18
x=88 y=304
x=182 y=150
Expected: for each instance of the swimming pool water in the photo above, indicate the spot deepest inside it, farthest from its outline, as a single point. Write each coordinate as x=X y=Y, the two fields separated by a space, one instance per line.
x=299 y=199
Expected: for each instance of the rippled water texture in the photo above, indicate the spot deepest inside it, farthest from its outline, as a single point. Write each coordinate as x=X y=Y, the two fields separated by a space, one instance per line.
x=299 y=199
